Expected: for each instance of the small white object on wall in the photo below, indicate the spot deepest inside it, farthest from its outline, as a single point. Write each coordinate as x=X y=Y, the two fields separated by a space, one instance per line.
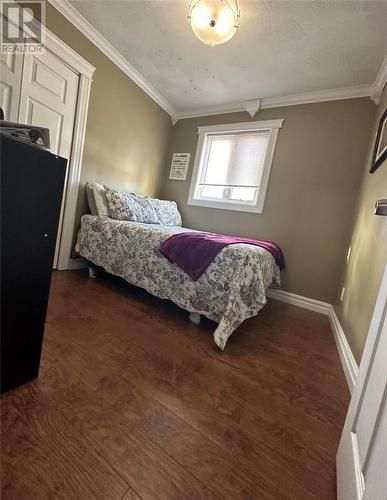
x=252 y=107
x=179 y=166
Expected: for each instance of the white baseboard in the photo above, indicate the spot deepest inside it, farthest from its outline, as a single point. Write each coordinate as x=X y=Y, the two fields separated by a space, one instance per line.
x=348 y=361
x=350 y=367
x=300 y=301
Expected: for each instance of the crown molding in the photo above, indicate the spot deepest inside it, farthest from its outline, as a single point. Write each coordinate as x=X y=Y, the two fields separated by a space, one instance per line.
x=381 y=79
x=373 y=90
x=75 y=18
x=380 y=82
x=276 y=102
x=317 y=96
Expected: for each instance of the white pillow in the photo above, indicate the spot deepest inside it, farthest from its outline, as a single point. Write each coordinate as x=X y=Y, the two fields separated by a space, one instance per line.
x=100 y=199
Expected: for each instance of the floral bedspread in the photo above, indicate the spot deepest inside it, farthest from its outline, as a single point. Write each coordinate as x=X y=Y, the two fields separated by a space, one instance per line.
x=231 y=290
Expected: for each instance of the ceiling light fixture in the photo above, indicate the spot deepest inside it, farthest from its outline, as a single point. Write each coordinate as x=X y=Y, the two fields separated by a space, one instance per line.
x=214 y=21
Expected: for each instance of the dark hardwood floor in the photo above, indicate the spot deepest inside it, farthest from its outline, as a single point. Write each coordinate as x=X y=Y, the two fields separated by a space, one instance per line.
x=135 y=401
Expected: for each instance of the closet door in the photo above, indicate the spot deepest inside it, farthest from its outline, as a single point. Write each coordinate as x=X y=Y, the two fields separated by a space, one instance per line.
x=11 y=66
x=48 y=99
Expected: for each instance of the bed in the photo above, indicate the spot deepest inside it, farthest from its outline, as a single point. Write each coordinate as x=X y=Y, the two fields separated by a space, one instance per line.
x=232 y=289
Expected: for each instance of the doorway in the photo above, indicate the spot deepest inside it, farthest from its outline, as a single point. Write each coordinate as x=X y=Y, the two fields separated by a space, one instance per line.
x=362 y=454
x=52 y=90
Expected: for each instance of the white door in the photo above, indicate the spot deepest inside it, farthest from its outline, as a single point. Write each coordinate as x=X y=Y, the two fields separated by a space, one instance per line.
x=362 y=454
x=10 y=84
x=48 y=98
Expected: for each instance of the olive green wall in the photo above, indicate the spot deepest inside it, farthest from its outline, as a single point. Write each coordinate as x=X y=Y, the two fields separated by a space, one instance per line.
x=368 y=256
x=311 y=196
x=127 y=132
x=318 y=165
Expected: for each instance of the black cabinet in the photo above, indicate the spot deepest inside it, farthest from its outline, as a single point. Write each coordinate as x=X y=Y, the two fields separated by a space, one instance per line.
x=32 y=181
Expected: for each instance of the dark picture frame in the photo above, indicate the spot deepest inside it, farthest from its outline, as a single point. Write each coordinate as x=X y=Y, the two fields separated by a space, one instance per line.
x=380 y=148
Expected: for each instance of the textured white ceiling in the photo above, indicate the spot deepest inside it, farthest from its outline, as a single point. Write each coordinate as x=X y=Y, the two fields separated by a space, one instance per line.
x=281 y=47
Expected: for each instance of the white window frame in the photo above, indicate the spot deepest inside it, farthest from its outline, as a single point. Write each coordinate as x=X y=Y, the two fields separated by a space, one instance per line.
x=272 y=126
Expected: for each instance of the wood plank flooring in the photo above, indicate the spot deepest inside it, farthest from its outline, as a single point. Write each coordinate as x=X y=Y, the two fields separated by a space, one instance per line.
x=134 y=401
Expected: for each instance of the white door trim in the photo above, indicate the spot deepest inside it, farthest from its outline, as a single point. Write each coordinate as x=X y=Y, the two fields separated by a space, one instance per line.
x=74 y=173
x=68 y=55
x=350 y=479
x=85 y=71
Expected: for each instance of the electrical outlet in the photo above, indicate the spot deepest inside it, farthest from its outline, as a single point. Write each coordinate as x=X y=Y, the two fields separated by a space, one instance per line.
x=342 y=294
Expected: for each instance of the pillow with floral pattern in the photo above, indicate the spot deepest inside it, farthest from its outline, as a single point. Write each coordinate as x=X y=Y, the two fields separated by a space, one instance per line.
x=124 y=206
x=167 y=212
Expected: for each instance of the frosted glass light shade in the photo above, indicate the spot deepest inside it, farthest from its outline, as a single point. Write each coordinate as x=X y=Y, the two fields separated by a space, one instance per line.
x=214 y=21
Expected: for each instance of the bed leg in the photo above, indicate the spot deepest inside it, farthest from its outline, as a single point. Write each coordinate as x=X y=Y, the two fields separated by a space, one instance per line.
x=92 y=270
x=195 y=318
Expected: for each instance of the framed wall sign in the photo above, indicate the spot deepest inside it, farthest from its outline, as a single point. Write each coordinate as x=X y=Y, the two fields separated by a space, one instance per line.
x=380 y=148
x=179 y=166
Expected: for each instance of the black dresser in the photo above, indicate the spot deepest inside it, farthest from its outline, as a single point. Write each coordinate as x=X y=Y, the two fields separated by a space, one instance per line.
x=32 y=181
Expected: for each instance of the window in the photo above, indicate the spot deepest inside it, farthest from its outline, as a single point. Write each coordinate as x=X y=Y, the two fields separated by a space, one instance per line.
x=232 y=165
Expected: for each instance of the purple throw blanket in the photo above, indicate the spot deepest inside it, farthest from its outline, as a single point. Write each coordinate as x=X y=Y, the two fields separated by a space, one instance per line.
x=194 y=251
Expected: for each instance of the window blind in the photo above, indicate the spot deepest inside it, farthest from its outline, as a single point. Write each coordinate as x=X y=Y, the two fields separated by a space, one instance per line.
x=233 y=165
